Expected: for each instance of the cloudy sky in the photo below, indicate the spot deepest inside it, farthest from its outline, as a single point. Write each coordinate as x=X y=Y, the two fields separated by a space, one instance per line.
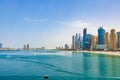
x=52 y=23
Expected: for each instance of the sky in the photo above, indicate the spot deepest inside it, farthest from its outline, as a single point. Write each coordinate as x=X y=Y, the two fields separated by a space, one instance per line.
x=51 y=23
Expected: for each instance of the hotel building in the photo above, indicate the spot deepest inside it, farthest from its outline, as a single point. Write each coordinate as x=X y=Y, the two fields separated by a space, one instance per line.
x=93 y=42
x=107 y=40
x=113 y=40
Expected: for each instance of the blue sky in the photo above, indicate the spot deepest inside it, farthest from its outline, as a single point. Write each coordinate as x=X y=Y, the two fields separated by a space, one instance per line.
x=51 y=23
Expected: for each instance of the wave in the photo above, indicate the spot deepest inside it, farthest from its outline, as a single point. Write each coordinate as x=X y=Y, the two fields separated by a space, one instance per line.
x=35 y=52
x=50 y=66
x=46 y=65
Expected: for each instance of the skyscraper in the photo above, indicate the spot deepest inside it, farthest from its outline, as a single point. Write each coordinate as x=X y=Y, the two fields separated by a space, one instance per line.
x=84 y=36
x=80 y=41
x=107 y=40
x=93 y=42
x=101 y=36
x=73 y=42
x=0 y=45
x=76 y=41
x=87 y=42
x=81 y=46
x=24 y=47
x=84 y=31
x=28 y=47
x=118 y=35
x=113 y=40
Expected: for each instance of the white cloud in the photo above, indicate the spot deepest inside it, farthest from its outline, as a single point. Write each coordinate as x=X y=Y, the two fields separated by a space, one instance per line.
x=76 y=23
x=34 y=20
x=79 y=24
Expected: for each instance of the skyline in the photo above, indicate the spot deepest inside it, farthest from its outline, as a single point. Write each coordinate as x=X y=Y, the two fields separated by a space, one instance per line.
x=51 y=23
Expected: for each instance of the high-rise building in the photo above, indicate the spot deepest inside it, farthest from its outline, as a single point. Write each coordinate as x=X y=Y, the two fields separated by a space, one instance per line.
x=86 y=40
x=118 y=35
x=116 y=41
x=80 y=41
x=28 y=47
x=81 y=46
x=113 y=40
x=84 y=31
x=73 y=42
x=24 y=47
x=107 y=40
x=76 y=41
x=87 y=43
x=93 y=42
x=0 y=45
x=84 y=36
x=101 y=36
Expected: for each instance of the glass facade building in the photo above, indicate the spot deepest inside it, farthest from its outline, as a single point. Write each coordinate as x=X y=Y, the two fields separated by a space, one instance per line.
x=84 y=37
x=0 y=45
x=73 y=42
x=101 y=36
x=87 y=41
x=118 y=35
x=76 y=41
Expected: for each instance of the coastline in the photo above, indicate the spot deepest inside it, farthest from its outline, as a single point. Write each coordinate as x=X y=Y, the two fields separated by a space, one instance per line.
x=114 y=53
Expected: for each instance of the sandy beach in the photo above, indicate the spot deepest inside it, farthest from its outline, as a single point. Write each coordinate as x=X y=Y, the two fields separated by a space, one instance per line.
x=115 y=53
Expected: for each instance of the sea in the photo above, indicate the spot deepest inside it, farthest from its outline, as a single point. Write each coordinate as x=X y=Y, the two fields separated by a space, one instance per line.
x=57 y=65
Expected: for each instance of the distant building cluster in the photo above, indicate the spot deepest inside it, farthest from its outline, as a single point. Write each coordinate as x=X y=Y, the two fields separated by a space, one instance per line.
x=59 y=48
x=104 y=40
x=5 y=48
x=26 y=47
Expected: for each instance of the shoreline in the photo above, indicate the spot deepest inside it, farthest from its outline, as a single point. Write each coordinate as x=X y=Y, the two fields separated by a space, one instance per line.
x=114 y=53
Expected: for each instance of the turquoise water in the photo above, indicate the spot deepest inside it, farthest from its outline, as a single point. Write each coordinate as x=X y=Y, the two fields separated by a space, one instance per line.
x=58 y=65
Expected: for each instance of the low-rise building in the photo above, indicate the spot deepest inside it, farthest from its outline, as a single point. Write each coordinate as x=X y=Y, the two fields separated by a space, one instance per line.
x=101 y=47
x=66 y=46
